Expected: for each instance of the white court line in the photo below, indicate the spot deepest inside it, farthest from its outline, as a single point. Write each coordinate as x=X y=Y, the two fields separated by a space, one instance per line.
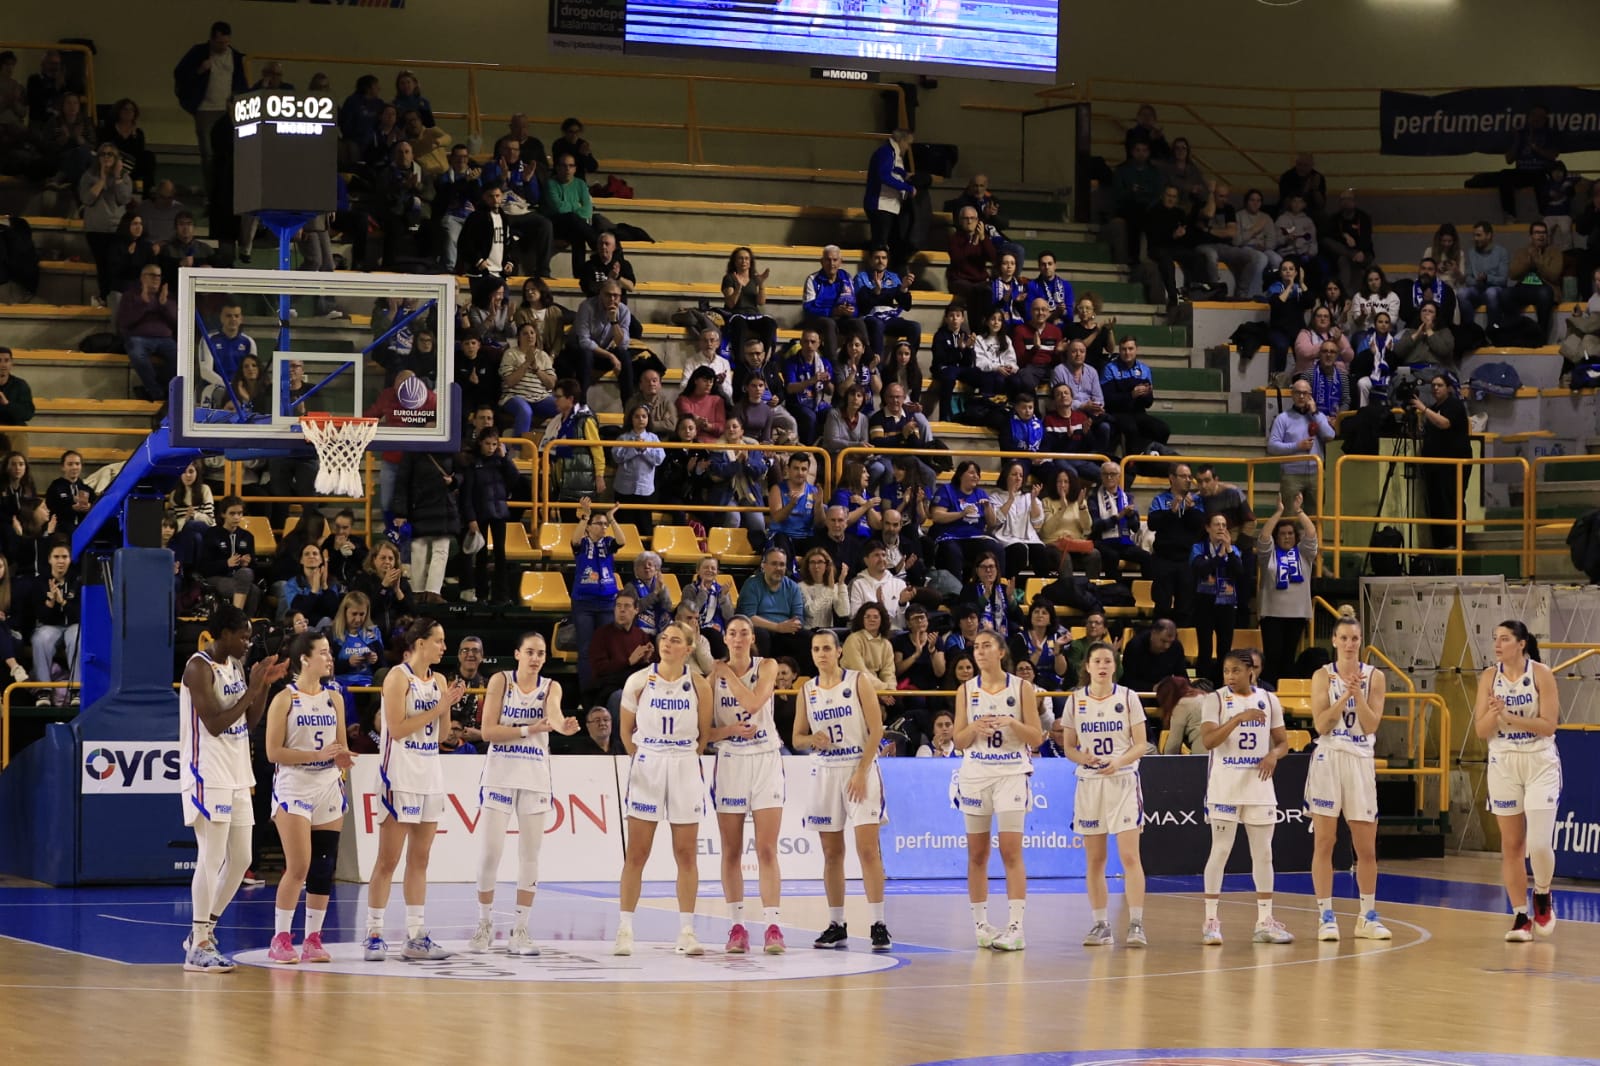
x=64 y=951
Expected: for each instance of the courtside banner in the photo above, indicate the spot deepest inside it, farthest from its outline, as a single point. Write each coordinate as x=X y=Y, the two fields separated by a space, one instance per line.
x=1484 y=120
x=1578 y=816
x=926 y=834
x=582 y=835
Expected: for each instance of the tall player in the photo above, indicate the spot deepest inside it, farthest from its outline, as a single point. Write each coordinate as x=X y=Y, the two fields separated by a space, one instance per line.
x=748 y=780
x=1103 y=732
x=1517 y=711
x=997 y=723
x=1242 y=727
x=666 y=722
x=217 y=708
x=411 y=787
x=1346 y=709
x=520 y=711
x=843 y=725
x=305 y=740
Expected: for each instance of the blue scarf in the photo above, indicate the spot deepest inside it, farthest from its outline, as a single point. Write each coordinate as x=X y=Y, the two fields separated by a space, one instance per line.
x=1437 y=292
x=1288 y=568
x=1381 y=343
x=1325 y=390
x=1212 y=568
x=1124 y=534
x=1029 y=435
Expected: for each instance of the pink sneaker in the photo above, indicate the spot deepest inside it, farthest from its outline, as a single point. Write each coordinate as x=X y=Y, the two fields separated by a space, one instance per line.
x=774 y=941
x=738 y=941
x=313 y=951
x=282 y=950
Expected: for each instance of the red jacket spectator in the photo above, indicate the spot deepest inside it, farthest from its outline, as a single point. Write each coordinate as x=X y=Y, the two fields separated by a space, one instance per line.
x=611 y=651
x=1037 y=347
x=969 y=261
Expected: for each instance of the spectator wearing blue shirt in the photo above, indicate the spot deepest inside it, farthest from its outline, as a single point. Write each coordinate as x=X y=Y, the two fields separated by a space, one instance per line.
x=635 y=479
x=1008 y=292
x=1300 y=431
x=829 y=301
x=808 y=384
x=1053 y=289
x=882 y=299
x=595 y=542
x=1218 y=571
x=1129 y=393
x=793 y=505
x=1487 y=272
x=358 y=118
x=408 y=97
x=1024 y=430
x=227 y=347
x=888 y=190
x=455 y=197
x=776 y=608
x=964 y=520
x=599 y=342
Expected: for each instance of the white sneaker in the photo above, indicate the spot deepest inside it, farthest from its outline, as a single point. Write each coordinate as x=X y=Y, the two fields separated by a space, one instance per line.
x=1011 y=939
x=1211 y=933
x=1136 y=937
x=986 y=935
x=521 y=944
x=207 y=959
x=1272 y=931
x=483 y=939
x=423 y=948
x=1099 y=935
x=336 y=314
x=1328 y=928
x=688 y=944
x=1370 y=927
x=18 y=673
x=624 y=944
x=468 y=596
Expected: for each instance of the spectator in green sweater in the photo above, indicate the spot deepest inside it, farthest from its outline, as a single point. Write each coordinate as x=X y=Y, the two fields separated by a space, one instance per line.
x=16 y=398
x=572 y=212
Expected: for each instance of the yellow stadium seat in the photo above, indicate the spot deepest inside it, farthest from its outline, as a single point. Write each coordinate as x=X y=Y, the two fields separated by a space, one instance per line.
x=519 y=549
x=555 y=541
x=731 y=545
x=261 y=529
x=670 y=582
x=1299 y=739
x=1189 y=640
x=1294 y=687
x=289 y=524
x=677 y=544
x=632 y=544
x=545 y=591
x=1142 y=600
x=1247 y=638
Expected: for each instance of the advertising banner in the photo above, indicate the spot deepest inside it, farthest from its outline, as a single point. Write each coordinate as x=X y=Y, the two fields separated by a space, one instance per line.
x=1484 y=121
x=1578 y=816
x=587 y=25
x=130 y=814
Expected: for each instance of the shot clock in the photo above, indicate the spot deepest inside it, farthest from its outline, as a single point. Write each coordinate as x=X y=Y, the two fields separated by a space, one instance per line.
x=286 y=151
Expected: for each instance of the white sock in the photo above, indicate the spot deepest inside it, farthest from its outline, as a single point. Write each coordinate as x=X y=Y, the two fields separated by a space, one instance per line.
x=199 y=932
x=1211 y=908
x=375 y=921
x=980 y=913
x=1263 y=911
x=877 y=910
x=1520 y=908
x=1369 y=904
x=625 y=921
x=686 y=921
x=1099 y=914
x=1014 y=909
x=486 y=912
x=736 y=911
x=836 y=914
x=520 y=924
x=282 y=920
x=314 y=921
x=1135 y=914
x=770 y=915
x=1325 y=904
x=414 y=922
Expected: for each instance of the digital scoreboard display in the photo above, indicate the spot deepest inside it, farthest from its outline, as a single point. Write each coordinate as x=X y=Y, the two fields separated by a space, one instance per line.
x=285 y=151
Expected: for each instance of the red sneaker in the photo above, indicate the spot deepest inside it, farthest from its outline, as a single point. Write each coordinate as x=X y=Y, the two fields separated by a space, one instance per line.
x=313 y=951
x=738 y=941
x=282 y=950
x=774 y=941
x=1544 y=914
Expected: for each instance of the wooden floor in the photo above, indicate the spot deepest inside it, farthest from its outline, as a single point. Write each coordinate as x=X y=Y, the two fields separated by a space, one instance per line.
x=1447 y=983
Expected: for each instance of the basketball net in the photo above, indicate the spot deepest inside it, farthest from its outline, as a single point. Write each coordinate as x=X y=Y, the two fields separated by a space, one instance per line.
x=340 y=444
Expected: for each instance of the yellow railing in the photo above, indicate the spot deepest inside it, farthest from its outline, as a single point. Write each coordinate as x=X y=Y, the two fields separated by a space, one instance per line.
x=467 y=91
x=89 y=94
x=1530 y=492
x=1459 y=470
x=1251 y=462
x=1417 y=746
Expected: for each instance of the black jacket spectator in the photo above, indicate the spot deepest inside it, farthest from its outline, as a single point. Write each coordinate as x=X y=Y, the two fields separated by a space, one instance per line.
x=586 y=162
x=219 y=545
x=189 y=81
x=425 y=493
x=342 y=568
x=1418 y=291
x=1144 y=668
x=59 y=615
x=59 y=498
x=486 y=489
x=477 y=237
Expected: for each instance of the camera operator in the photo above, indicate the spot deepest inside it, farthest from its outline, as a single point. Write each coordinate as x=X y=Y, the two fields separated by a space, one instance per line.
x=1444 y=436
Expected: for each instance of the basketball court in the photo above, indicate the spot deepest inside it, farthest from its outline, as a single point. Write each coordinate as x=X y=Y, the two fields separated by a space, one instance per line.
x=91 y=972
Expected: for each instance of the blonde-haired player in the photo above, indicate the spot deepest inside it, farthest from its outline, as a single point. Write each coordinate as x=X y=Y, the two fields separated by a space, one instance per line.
x=748 y=779
x=1517 y=712
x=666 y=721
x=1242 y=727
x=1103 y=732
x=410 y=789
x=217 y=707
x=305 y=739
x=843 y=724
x=1346 y=709
x=997 y=725
x=520 y=711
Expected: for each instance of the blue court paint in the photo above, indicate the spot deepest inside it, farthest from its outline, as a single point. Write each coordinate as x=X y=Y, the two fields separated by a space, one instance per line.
x=1266 y=1057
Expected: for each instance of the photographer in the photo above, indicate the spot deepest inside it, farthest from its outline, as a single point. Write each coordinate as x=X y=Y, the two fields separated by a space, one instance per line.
x=1444 y=436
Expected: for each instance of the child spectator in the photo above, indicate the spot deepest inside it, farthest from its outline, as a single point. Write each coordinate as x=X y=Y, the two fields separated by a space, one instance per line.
x=488 y=480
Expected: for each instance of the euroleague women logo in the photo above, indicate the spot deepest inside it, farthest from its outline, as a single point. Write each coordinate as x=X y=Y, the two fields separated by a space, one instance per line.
x=414 y=403
x=412 y=393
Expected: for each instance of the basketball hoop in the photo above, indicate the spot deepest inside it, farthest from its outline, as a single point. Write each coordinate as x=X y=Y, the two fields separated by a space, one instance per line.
x=340 y=444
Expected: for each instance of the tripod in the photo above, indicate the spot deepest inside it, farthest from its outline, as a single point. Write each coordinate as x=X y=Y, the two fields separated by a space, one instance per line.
x=1407 y=435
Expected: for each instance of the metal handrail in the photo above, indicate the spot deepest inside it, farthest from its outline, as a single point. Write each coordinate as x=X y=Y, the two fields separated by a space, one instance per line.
x=1530 y=495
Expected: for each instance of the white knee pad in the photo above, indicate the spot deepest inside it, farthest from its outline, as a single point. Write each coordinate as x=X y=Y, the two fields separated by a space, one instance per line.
x=1541 y=847
x=530 y=830
x=1222 y=834
x=492 y=826
x=1260 y=837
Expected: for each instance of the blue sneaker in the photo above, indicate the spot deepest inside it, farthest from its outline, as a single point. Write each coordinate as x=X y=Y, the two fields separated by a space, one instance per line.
x=423 y=948
x=207 y=959
x=374 y=949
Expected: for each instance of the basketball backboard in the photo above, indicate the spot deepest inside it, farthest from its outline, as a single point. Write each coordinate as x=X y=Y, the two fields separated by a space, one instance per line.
x=311 y=363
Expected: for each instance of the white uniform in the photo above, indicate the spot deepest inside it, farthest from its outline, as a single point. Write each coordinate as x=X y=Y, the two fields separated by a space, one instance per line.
x=1342 y=778
x=748 y=775
x=314 y=790
x=411 y=781
x=1235 y=791
x=216 y=777
x=1524 y=767
x=1104 y=726
x=836 y=713
x=993 y=778
x=516 y=773
x=664 y=780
